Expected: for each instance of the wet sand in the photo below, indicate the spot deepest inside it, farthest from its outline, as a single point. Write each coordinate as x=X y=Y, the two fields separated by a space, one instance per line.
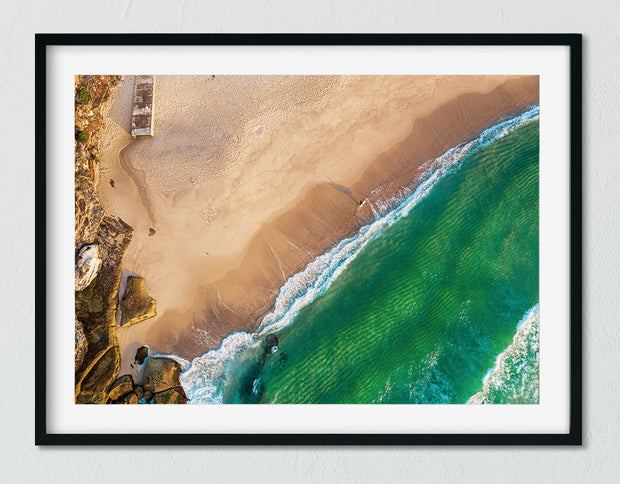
x=247 y=179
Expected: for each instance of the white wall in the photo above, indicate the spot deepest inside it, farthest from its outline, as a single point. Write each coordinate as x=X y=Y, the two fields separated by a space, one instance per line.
x=597 y=461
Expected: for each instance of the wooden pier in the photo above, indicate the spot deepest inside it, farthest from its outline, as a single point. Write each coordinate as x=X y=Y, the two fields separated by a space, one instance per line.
x=142 y=116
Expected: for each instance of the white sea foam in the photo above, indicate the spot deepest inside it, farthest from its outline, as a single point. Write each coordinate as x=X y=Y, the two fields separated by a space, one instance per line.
x=207 y=375
x=514 y=377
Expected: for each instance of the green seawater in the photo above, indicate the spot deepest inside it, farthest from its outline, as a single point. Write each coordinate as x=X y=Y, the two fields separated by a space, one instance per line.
x=423 y=311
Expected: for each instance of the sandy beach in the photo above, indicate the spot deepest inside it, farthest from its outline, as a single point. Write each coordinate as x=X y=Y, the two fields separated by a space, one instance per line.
x=248 y=178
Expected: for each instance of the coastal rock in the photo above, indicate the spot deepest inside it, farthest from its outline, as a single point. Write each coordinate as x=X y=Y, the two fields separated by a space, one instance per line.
x=91 y=398
x=139 y=392
x=100 y=242
x=94 y=386
x=88 y=212
x=87 y=266
x=161 y=374
x=136 y=305
x=121 y=387
x=81 y=344
x=174 y=395
x=131 y=399
x=95 y=308
x=148 y=396
x=141 y=354
x=272 y=344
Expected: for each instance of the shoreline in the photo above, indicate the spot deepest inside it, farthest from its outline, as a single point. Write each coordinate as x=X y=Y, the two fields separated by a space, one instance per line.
x=303 y=288
x=310 y=223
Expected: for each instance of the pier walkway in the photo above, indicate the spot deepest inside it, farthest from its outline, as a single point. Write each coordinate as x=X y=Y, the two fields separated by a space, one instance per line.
x=142 y=116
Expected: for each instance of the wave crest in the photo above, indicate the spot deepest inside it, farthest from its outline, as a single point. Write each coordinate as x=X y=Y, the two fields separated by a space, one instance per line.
x=515 y=376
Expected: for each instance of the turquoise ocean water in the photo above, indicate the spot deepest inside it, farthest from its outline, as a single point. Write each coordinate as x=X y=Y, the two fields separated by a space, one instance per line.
x=434 y=302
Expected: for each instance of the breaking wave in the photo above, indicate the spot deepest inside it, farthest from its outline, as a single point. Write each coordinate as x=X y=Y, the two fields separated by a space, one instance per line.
x=515 y=377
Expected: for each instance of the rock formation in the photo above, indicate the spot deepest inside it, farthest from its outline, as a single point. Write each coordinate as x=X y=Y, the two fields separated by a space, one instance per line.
x=161 y=385
x=136 y=304
x=87 y=266
x=124 y=391
x=161 y=374
x=95 y=309
x=272 y=344
x=100 y=241
x=81 y=345
x=121 y=387
x=174 y=395
x=131 y=398
x=141 y=355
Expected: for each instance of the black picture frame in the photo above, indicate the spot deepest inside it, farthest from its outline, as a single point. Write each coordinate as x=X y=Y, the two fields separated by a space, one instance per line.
x=572 y=41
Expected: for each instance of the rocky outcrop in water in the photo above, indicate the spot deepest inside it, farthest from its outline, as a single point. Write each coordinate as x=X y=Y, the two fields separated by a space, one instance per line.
x=272 y=344
x=161 y=374
x=136 y=304
x=161 y=384
x=141 y=355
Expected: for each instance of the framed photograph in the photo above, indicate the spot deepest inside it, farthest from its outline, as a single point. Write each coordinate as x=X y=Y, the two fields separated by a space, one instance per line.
x=308 y=239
